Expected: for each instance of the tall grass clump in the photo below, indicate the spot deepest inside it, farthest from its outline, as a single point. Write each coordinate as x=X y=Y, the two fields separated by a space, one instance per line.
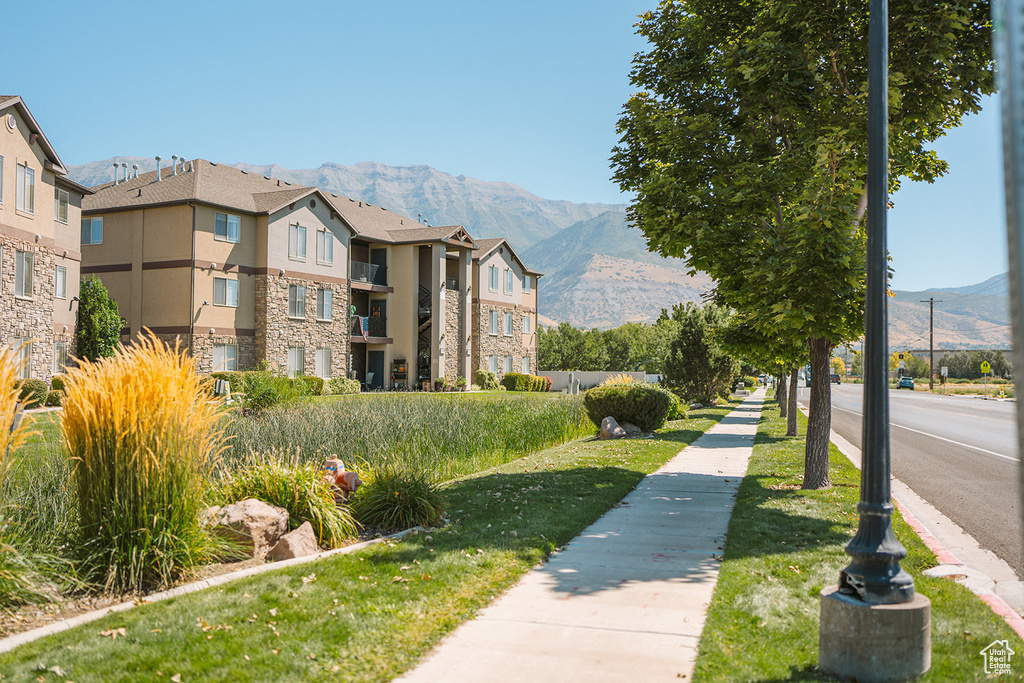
x=297 y=487
x=442 y=436
x=398 y=499
x=143 y=437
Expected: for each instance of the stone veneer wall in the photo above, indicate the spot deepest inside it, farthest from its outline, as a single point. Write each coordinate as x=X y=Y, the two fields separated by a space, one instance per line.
x=202 y=350
x=275 y=331
x=454 y=333
x=486 y=344
x=31 y=317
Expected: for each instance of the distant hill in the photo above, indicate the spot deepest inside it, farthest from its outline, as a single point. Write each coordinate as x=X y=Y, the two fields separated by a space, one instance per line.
x=486 y=209
x=976 y=316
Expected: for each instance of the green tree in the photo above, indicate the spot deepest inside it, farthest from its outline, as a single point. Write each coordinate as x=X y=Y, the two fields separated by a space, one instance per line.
x=746 y=150
x=98 y=325
x=697 y=368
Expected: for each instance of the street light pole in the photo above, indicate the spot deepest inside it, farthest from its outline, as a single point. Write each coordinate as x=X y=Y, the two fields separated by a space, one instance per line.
x=931 y=340
x=874 y=574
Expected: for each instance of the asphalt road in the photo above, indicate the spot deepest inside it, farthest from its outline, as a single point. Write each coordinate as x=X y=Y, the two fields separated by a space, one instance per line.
x=959 y=454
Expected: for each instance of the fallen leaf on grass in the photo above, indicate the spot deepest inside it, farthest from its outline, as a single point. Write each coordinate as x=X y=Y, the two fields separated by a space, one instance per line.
x=113 y=633
x=176 y=678
x=426 y=577
x=399 y=579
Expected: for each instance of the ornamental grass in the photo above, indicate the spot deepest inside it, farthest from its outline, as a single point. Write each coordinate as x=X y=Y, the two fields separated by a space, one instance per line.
x=143 y=438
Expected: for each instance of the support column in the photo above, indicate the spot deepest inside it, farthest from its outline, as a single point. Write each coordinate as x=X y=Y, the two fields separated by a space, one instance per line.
x=438 y=350
x=466 y=312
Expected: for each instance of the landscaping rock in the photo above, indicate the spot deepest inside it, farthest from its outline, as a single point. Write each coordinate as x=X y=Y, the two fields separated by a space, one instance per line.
x=630 y=429
x=610 y=429
x=696 y=406
x=298 y=543
x=253 y=524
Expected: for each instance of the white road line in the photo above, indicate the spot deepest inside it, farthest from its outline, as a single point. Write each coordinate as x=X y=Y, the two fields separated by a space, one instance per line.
x=940 y=438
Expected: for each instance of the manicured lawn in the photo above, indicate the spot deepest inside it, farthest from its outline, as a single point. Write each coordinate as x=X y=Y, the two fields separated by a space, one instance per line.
x=371 y=615
x=784 y=545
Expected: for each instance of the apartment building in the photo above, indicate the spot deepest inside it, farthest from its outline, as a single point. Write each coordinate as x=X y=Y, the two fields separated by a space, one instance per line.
x=504 y=309
x=40 y=253
x=239 y=267
x=243 y=268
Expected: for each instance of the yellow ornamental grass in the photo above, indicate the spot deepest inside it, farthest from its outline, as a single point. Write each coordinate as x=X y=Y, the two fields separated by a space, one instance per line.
x=143 y=438
x=620 y=378
x=10 y=439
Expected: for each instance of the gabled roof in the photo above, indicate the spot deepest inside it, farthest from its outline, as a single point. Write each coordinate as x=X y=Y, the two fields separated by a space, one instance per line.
x=233 y=188
x=53 y=161
x=487 y=246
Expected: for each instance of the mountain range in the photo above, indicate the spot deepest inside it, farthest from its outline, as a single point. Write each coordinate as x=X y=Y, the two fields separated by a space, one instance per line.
x=597 y=269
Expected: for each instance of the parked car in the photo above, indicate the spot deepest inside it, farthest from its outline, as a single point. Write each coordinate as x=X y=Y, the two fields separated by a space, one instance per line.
x=834 y=378
x=905 y=383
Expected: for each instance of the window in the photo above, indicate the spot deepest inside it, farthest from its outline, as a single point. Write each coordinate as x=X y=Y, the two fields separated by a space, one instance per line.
x=60 y=283
x=323 y=304
x=322 y=363
x=526 y=324
x=92 y=231
x=508 y=324
x=297 y=242
x=296 y=301
x=493 y=275
x=296 y=360
x=526 y=284
x=492 y=362
x=23 y=347
x=60 y=356
x=324 y=246
x=225 y=357
x=526 y=365
x=60 y=205
x=509 y=276
x=494 y=322
x=225 y=292
x=23 y=274
x=26 y=190
x=227 y=228
x=508 y=364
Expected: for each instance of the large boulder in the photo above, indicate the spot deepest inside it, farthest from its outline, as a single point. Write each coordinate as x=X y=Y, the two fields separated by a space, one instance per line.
x=630 y=429
x=253 y=524
x=298 y=543
x=610 y=429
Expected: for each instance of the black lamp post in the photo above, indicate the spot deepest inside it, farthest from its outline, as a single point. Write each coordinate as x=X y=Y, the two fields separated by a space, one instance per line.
x=874 y=574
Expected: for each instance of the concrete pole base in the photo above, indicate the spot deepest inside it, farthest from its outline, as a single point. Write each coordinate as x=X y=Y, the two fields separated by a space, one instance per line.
x=874 y=642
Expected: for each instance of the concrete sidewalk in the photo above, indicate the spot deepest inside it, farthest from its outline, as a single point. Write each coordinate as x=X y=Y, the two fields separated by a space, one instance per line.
x=626 y=599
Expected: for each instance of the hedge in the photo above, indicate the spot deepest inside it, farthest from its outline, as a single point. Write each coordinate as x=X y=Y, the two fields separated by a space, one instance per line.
x=514 y=381
x=643 y=405
x=32 y=392
x=342 y=385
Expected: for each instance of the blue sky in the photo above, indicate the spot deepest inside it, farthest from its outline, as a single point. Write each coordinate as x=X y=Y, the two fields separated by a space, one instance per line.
x=526 y=92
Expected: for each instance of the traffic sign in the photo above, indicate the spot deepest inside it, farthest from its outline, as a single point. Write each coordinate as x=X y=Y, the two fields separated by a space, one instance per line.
x=944 y=371
x=986 y=367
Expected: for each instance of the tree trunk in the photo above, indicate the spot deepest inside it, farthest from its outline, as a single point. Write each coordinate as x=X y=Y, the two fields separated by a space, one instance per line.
x=780 y=394
x=819 y=418
x=791 y=414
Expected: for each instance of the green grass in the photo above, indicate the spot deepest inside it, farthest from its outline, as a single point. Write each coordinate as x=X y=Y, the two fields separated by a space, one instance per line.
x=441 y=435
x=786 y=544
x=371 y=615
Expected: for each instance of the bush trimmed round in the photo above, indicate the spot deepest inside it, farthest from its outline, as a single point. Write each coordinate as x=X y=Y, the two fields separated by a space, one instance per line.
x=642 y=405
x=32 y=392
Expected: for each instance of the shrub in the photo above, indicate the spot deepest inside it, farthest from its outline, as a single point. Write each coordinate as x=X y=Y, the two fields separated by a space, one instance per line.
x=513 y=381
x=54 y=398
x=57 y=382
x=32 y=392
x=621 y=378
x=676 y=410
x=487 y=379
x=749 y=381
x=342 y=385
x=142 y=436
x=398 y=499
x=309 y=386
x=298 y=488
x=642 y=405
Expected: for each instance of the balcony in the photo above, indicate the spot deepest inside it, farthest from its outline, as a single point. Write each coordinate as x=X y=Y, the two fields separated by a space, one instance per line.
x=376 y=328
x=369 y=273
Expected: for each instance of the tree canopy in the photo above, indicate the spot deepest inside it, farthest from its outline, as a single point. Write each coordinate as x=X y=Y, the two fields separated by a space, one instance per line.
x=746 y=150
x=99 y=324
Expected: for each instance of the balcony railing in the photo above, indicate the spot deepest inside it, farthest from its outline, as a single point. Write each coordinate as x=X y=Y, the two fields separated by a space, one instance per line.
x=376 y=327
x=369 y=272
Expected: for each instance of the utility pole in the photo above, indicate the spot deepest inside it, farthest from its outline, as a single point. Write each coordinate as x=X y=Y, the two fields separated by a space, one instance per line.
x=931 y=340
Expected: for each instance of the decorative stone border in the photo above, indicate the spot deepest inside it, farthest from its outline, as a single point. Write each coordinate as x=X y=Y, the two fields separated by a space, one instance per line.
x=11 y=642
